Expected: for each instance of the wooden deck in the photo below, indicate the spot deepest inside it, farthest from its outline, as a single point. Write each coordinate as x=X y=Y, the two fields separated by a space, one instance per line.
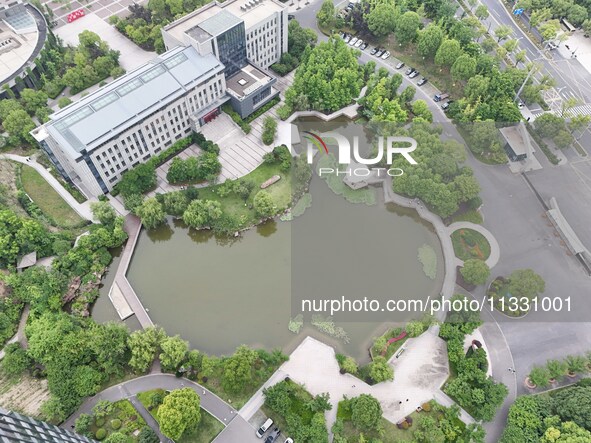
x=122 y=295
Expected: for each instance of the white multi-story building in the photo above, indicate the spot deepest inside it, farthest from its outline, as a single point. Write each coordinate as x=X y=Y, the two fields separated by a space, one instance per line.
x=95 y=140
x=216 y=54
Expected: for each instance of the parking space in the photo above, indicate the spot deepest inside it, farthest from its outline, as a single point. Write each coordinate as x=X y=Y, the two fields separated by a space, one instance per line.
x=411 y=74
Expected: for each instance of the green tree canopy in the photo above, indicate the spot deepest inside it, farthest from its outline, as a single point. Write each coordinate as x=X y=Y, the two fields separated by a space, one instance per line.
x=366 y=412
x=180 y=410
x=475 y=271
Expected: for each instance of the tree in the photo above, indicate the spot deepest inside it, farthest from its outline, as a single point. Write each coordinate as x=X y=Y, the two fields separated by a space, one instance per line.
x=407 y=27
x=202 y=213
x=117 y=437
x=18 y=124
x=175 y=203
x=264 y=205
x=503 y=32
x=366 y=412
x=408 y=94
x=83 y=424
x=8 y=106
x=298 y=38
x=429 y=40
x=238 y=369
x=33 y=100
x=448 y=52
x=15 y=361
x=147 y=435
x=415 y=328
x=464 y=67
x=87 y=380
x=138 y=180
x=549 y=125
x=180 y=411
x=539 y=376
x=151 y=213
x=475 y=271
x=549 y=30
x=556 y=369
x=421 y=109
x=269 y=130
x=326 y=14
x=380 y=370
x=574 y=404
x=381 y=20
x=143 y=345
x=174 y=350
x=526 y=283
x=63 y=102
x=481 y=12
x=103 y=212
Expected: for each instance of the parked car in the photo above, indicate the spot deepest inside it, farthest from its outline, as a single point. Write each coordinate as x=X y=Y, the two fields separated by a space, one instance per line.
x=399 y=65
x=445 y=106
x=363 y=46
x=422 y=81
x=290 y=16
x=347 y=38
x=288 y=440
x=441 y=96
x=351 y=5
x=379 y=52
x=353 y=41
x=264 y=427
x=410 y=71
x=359 y=43
x=414 y=74
x=373 y=51
x=552 y=45
x=385 y=55
x=274 y=435
x=342 y=34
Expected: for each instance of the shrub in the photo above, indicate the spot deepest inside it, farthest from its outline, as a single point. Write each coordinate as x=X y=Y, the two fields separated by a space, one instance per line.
x=539 y=376
x=63 y=102
x=100 y=434
x=100 y=421
x=115 y=423
x=426 y=406
x=269 y=130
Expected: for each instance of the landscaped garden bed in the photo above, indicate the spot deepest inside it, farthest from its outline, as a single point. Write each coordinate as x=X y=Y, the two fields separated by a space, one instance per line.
x=205 y=432
x=469 y=243
x=121 y=416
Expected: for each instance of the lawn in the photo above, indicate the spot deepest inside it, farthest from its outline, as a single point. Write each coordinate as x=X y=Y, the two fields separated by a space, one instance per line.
x=469 y=243
x=209 y=426
x=124 y=411
x=48 y=200
x=471 y=215
x=298 y=401
x=232 y=204
x=394 y=347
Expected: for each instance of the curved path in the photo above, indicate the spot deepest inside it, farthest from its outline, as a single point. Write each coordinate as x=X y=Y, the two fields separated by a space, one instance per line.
x=82 y=209
x=129 y=389
x=20 y=336
x=449 y=257
x=495 y=251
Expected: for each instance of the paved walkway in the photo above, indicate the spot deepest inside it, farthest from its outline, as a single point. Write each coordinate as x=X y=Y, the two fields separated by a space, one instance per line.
x=126 y=390
x=449 y=257
x=419 y=374
x=495 y=250
x=83 y=209
x=122 y=294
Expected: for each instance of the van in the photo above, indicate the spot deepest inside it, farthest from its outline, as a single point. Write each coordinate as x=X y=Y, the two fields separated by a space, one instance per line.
x=439 y=97
x=264 y=428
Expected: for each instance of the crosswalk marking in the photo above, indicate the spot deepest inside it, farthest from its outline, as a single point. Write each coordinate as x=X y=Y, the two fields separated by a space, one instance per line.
x=577 y=110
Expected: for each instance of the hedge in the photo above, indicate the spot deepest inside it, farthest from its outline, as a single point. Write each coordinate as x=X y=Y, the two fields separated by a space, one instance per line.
x=236 y=118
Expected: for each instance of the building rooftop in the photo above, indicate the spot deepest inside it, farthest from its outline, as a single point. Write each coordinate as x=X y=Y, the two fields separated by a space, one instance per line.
x=27 y=260
x=250 y=11
x=220 y=23
x=246 y=81
x=22 y=35
x=514 y=137
x=111 y=109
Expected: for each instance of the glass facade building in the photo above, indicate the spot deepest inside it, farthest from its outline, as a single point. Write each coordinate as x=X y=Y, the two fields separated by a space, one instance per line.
x=19 y=428
x=232 y=49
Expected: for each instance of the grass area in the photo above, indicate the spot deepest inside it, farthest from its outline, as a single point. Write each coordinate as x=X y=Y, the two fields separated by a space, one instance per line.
x=48 y=200
x=130 y=420
x=232 y=204
x=209 y=426
x=393 y=348
x=469 y=243
x=470 y=215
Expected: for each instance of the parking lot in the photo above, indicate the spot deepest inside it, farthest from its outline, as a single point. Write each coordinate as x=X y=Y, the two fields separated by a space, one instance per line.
x=411 y=73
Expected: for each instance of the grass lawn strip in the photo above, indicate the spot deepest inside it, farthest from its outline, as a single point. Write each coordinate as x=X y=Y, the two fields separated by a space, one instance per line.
x=469 y=243
x=48 y=200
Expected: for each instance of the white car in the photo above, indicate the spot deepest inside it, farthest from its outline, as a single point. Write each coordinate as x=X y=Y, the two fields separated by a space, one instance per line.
x=289 y=440
x=359 y=43
x=353 y=41
x=347 y=38
x=385 y=55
